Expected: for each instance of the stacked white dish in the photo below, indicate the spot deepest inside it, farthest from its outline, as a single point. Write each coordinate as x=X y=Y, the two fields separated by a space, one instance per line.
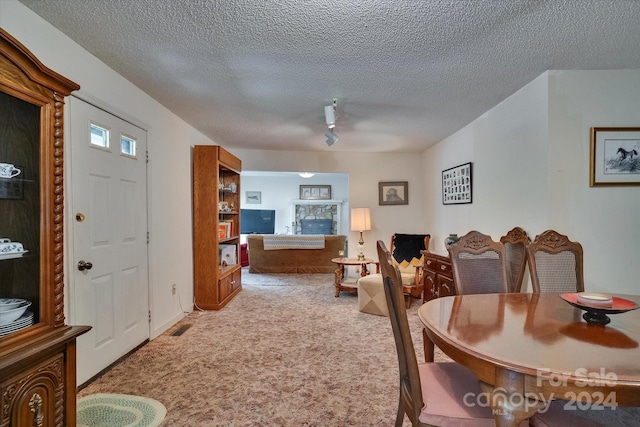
x=14 y=315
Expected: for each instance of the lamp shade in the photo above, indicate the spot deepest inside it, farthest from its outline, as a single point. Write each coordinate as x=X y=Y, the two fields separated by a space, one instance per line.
x=360 y=219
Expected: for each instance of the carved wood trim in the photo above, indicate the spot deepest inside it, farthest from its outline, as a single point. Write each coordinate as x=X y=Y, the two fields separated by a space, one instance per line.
x=33 y=69
x=49 y=376
x=58 y=211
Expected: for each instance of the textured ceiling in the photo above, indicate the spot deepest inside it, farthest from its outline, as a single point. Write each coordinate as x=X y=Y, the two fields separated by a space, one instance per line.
x=257 y=74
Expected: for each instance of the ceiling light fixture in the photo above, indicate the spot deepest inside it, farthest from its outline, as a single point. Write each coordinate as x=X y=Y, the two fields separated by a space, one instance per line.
x=306 y=174
x=330 y=119
x=330 y=115
x=331 y=137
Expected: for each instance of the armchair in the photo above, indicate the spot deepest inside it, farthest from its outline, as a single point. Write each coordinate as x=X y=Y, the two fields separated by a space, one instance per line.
x=405 y=253
x=407 y=257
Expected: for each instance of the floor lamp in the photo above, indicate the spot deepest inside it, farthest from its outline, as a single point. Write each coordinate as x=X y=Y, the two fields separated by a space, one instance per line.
x=360 y=221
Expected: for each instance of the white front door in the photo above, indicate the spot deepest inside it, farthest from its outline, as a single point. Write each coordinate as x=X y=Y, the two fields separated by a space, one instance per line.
x=109 y=283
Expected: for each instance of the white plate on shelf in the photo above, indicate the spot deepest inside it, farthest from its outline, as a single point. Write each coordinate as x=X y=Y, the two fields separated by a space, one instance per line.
x=9 y=316
x=23 y=322
x=12 y=255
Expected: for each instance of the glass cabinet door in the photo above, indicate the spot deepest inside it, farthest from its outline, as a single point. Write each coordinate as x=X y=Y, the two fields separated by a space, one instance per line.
x=20 y=214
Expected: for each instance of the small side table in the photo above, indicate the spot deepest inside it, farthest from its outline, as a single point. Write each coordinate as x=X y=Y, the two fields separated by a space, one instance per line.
x=339 y=279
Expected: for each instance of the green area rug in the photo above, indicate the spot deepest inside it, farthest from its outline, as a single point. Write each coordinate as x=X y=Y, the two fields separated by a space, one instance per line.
x=119 y=410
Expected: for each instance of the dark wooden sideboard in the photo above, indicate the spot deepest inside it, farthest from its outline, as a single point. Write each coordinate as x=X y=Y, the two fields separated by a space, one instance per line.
x=438 y=277
x=438 y=282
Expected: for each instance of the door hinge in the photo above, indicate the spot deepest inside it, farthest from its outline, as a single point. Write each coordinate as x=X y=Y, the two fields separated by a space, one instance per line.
x=149 y=316
x=148 y=237
x=147 y=155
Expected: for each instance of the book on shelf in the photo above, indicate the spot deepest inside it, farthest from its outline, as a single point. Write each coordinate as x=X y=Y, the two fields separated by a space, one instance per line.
x=231 y=231
x=222 y=231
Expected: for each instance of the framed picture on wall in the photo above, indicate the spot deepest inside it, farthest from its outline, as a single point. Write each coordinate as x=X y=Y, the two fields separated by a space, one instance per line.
x=393 y=193
x=457 y=185
x=253 y=197
x=315 y=192
x=615 y=156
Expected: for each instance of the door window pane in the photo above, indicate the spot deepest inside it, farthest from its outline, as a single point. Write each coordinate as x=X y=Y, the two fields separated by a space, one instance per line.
x=127 y=146
x=99 y=136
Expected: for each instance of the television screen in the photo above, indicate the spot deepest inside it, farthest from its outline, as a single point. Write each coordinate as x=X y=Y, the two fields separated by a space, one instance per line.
x=257 y=221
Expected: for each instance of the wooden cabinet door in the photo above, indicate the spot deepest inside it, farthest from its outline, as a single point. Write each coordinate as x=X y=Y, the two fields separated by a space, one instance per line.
x=36 y=396
x=445 y=287
x=430 y=286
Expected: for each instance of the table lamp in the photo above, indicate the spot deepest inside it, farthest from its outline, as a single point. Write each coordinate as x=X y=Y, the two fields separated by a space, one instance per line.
x=360 y=221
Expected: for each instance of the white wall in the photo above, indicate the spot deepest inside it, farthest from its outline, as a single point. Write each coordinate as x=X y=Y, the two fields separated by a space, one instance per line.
x=531 y=169
x=606 y=220
x=365 y=170
x=278 y=191
x=169 y=171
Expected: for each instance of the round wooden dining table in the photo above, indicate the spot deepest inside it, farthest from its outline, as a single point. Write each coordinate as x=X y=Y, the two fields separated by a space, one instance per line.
x=528 y=349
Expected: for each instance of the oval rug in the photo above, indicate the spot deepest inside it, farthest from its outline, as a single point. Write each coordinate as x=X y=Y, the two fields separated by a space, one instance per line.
x=119 y=410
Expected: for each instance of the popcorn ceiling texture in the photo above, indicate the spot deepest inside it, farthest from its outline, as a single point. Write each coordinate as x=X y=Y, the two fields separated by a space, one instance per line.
x=252 y=74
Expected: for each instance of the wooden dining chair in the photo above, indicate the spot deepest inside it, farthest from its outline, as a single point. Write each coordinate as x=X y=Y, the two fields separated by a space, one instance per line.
x=515 y=244
x=555 y=263
x=431 y=394
x=478 y=264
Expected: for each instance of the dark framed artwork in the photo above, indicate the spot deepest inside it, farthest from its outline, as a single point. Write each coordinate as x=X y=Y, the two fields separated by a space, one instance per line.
x=393 y=193
x=615 y=156
x=457 y=185
x=315 y=192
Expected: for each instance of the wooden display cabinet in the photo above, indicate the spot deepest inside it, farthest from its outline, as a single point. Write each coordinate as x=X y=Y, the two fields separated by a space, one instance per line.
x=216 y=226
x=37 y=350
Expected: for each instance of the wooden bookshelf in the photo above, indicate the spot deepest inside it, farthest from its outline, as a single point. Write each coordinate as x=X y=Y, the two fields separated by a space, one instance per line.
x=216 y=201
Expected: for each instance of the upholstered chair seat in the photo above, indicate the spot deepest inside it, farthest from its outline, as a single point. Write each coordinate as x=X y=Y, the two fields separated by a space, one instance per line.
x=407 y=257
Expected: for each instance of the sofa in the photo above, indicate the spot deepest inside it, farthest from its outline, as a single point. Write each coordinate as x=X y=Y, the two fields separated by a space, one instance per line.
x=305 y=261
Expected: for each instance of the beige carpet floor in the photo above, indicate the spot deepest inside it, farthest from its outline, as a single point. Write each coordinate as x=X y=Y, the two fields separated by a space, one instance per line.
x=284 y=352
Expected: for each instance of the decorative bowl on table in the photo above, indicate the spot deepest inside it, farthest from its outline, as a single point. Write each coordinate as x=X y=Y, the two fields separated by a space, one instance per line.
x=597 y=306
x=9 y=316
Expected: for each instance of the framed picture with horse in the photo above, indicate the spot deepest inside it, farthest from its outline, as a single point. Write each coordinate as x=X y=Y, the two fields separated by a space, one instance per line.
x=615 y=156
